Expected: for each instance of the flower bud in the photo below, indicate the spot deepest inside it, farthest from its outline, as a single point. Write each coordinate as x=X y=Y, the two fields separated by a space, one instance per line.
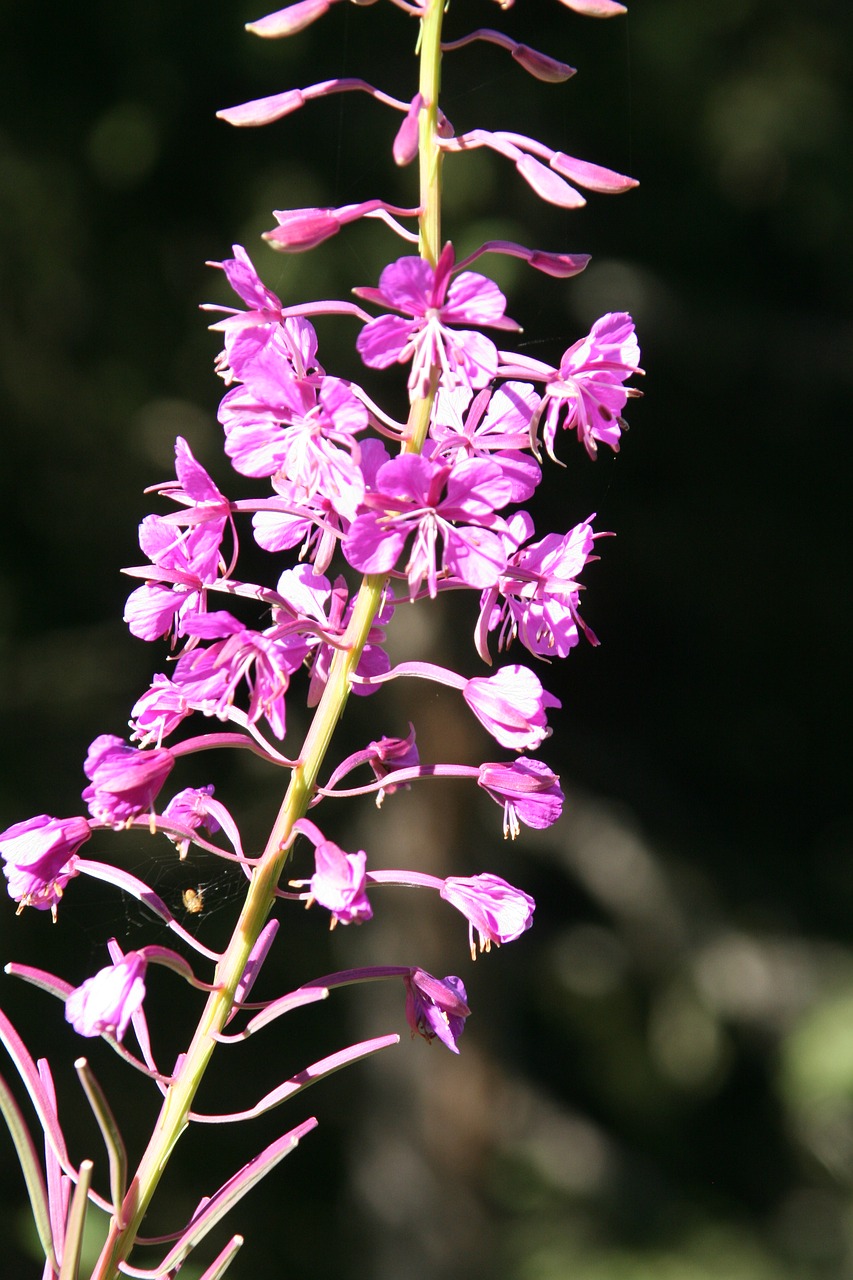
x=286 y=22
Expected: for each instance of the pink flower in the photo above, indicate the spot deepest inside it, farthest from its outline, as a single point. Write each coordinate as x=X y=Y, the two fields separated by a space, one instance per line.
x=436 y=1007
x=512 y=705
x=588 y=395
x=494 y=908
x=491 y=425
x=387 y=755
x=124 y=780
x=40 y=857
x=158 y=712
x=338 y=884
x=300 y=229
x=190 y=809
x=527 y=789
x=427 y=295
x=186 y=559
x=339 y=879
x=104 y=1004
x=586 y=392
x=258 y=339
x=434 y=502
x=311 y=597
x=210 y=677
x=293 y=18
x=288 y=429
x=244 y=280
x=540 y=591
x=284 y=521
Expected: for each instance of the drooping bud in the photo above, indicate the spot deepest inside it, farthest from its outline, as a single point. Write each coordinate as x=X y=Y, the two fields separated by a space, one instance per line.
x=595 y=8
x=263 y=110
x=286 y=22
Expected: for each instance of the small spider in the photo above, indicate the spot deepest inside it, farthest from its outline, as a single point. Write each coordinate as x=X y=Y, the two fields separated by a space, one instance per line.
x=193 y=900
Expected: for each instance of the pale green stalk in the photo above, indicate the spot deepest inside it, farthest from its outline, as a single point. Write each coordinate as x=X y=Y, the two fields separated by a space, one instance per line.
x=172 y=1120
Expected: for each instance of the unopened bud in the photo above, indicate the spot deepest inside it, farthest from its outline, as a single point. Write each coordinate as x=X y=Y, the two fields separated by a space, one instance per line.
x=286 y=22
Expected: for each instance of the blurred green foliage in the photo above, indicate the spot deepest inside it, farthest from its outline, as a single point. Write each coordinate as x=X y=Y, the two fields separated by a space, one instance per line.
x=659 y=1078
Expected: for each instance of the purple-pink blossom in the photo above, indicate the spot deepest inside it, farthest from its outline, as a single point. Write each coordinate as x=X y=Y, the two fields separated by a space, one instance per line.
x=190 y=809
x=339 y=881
x=40 y=857
x=454 y=505
x=496 y=910
x=186 y=562
x=528 y=790
x=301 y=229
x=586 y=393
x=432 y=300
x=259 y=339
x=436 y=1007
x=289 y=429
x=537 y=598
x=387 y=755
x=312 y=598
x=489 y=425
x=158 y=712
x=105 y=1003
x=512 y=705
x=124 y=781
x=210 y=677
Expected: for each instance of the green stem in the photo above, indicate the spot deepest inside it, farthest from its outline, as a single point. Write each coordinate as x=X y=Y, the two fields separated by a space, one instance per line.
x=429 y=153
x=172 y=1120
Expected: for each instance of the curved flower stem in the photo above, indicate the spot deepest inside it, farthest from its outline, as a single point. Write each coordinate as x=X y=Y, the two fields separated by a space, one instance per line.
x=173 y=1119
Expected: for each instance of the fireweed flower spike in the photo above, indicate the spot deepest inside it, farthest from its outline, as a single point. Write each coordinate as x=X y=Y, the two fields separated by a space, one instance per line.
x=336 y=485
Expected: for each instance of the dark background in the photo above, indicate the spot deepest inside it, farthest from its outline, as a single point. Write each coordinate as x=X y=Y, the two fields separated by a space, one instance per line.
x=659 y=1078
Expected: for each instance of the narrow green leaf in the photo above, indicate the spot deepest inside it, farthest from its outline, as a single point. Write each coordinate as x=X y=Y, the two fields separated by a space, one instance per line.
x=70 y=1269
x=113 y=1141
x=36 y=1190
